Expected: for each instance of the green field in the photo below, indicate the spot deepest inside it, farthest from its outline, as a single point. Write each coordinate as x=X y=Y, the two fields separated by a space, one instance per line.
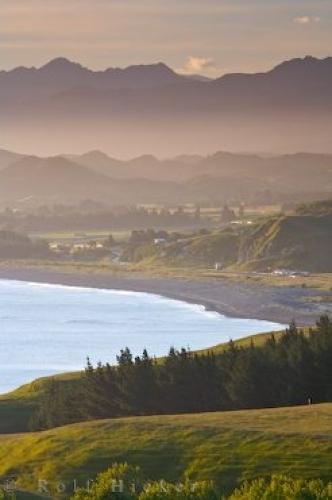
x=81 y=235
x=227 y=447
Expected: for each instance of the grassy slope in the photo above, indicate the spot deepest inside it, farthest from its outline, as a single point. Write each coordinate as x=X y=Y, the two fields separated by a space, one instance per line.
x=302 y=242
x=203 y=250
x=296 y=242
x=257 y=339
x=227 y=447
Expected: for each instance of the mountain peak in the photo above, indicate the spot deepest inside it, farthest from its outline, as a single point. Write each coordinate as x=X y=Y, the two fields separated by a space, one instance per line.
x=305 y=63
x=147 y=159
x=95 y=154
x=163 y=67
x=61 y=63
x=159 y=68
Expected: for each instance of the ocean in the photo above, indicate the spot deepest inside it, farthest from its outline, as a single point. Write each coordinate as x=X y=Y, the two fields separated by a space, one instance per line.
x=47 y=329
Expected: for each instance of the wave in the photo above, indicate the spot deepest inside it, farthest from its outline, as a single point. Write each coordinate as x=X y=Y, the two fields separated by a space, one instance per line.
x=153 y=297
x=87 y=322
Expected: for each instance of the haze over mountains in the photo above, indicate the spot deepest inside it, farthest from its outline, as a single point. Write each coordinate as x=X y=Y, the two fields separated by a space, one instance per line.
x=221 y=177
x=63 y=106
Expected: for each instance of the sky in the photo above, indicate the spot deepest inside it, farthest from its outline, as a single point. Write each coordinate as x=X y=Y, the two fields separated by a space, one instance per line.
x=209 y=37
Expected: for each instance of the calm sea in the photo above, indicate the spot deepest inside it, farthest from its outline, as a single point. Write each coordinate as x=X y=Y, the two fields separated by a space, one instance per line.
x=47 y=329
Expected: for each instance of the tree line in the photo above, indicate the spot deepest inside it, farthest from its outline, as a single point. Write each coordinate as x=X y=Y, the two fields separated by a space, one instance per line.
x=14 y=245
x=76 y=219
x=291 y=370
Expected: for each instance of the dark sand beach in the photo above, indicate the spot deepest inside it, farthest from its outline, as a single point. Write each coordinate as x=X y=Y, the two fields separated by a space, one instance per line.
x=278 y=304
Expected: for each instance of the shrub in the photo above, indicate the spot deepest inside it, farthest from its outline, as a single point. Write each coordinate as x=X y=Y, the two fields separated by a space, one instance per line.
x=186 y=491
x=6 y=495
x=107 y=485
x=283 y=488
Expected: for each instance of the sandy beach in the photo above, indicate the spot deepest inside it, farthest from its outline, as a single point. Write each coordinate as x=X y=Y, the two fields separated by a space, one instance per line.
x=278 y=304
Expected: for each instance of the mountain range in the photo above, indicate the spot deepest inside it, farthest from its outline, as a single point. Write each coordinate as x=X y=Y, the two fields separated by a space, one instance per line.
x=60 y=74
x=221 y=177
x=64 y=106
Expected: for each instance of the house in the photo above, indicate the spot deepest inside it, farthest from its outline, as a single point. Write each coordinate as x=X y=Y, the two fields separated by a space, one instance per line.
x=159 y=241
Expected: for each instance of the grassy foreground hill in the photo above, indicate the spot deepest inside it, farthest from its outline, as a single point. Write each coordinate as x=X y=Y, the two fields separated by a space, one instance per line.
x=227 y=447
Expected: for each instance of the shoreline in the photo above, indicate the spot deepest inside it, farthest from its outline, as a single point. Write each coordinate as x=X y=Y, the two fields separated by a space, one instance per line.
x=238 y=300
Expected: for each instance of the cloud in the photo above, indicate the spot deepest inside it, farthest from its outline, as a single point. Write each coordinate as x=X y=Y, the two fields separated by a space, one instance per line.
x=306 y=19
x=198 y=65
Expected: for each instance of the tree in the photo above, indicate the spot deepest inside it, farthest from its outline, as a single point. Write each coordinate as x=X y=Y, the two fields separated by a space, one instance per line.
x=102 y=395
x=144 y=386
x=109 y=242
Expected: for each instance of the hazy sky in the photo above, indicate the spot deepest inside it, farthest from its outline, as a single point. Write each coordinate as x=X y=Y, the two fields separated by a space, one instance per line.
x=202 y=36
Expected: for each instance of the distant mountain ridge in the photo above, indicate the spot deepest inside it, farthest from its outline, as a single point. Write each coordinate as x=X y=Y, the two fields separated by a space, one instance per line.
x=223 y=177
x=218 y=165
x=58 y=179
x=66 y=69
x=152 y=108
x=61 y=74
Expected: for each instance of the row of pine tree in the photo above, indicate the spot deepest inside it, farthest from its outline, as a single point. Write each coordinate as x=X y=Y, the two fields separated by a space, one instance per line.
x=294 y=369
